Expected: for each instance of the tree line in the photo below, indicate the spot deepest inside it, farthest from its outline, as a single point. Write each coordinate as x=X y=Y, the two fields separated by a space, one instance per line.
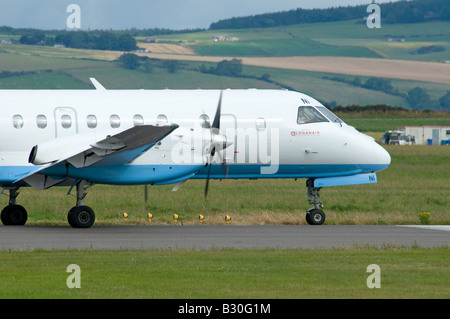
x=132 y=61
x=393 y=12
x=104 y=40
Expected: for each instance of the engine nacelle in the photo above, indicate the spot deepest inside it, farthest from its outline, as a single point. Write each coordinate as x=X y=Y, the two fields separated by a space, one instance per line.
x=60 y=148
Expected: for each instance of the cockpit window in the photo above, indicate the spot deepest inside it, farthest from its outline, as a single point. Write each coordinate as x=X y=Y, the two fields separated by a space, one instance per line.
x=308 y=114
x=330 y=115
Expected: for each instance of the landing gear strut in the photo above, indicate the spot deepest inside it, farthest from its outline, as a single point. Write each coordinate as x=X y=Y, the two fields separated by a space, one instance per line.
x=81 y=216
x=14 y=214
x=314 y=215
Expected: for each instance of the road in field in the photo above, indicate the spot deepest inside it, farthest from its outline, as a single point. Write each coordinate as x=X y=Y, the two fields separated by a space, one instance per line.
x=225 y=236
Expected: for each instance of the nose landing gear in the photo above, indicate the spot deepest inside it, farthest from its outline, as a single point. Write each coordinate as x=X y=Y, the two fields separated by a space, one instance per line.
x=314 y=215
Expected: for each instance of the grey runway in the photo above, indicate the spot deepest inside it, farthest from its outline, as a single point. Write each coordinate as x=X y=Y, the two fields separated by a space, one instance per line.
x=226 y=236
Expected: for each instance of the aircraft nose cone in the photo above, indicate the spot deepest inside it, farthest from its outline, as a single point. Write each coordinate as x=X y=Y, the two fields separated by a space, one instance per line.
x=383 y=158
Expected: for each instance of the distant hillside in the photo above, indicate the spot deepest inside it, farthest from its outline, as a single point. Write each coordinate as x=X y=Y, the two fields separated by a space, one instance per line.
x=397 y=12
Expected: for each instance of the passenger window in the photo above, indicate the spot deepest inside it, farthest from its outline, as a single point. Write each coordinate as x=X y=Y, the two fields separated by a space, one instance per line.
x=114 y=120
x=138 y=120
x=66 y=121
x=308 y=114
x=91 y=121
x=18 y=121
x=41 y=121
x=260 y=124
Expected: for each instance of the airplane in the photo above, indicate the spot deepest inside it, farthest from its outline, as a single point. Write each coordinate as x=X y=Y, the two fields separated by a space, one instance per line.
x=79 y=138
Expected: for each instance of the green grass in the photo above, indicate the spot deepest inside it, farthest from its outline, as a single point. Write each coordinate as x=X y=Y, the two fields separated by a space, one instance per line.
x=231 y=49
x=43 y=80
x=221 y=274
x=32 y=58
x=343 y=38
x=286 y=46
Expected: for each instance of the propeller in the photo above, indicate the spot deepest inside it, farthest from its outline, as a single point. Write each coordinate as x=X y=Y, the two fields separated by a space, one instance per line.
x=218 y=142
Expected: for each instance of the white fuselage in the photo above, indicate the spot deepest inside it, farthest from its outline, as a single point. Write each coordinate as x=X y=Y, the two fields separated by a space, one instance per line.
x=265 y=136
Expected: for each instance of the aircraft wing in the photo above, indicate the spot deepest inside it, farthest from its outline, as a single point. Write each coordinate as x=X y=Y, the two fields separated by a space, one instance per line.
x=123 y=147
x=87 y=150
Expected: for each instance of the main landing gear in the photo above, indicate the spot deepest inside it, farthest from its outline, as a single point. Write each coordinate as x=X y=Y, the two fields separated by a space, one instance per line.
x=314 y=215
x=14 y=214
x=80 y=216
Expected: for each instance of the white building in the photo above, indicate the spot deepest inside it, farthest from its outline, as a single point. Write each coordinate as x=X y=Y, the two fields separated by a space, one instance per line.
x=428 y=135
x=222 y=38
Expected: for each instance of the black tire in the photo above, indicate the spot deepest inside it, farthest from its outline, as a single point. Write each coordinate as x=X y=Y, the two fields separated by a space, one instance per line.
x=81 y=217
x=14 y=215
x=315 y=217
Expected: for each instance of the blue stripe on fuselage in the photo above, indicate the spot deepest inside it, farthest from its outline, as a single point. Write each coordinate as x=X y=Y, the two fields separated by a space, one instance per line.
x=168 y=174
x=289 y=171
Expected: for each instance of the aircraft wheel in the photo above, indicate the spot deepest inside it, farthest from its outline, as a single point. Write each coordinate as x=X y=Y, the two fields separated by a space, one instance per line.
x=315 y=217
x=14 y=215
x=81 y=217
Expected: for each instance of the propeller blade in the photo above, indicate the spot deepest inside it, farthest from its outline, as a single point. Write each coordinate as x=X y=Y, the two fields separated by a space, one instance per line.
x=207 y=183
x=225 y=169
x=209 y=172
x=215 y=138
x=224 y=164
x=178 y=185
x=216 y=122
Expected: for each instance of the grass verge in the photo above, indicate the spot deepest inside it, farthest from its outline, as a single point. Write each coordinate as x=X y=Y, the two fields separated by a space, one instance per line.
x=286 y=274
